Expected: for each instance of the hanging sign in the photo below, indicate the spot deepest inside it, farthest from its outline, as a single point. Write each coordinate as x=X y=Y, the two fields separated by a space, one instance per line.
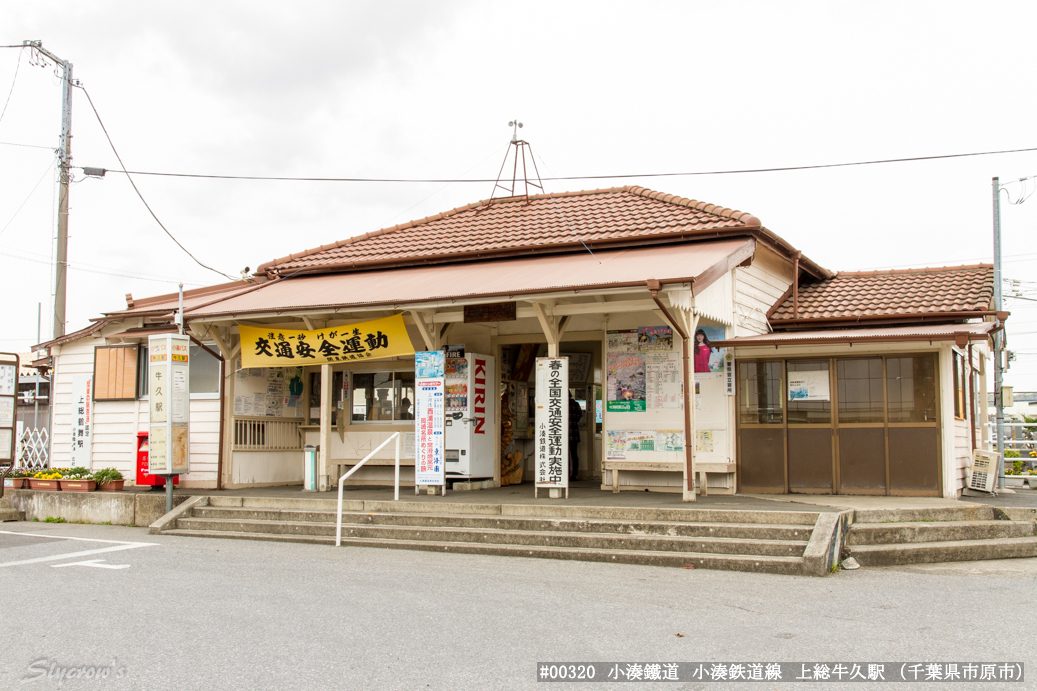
x=552 y=422
x=808 y=386
x=82 y=419
x=429 y=381
x=373 y=340
x=729 y=372
x=169 y=404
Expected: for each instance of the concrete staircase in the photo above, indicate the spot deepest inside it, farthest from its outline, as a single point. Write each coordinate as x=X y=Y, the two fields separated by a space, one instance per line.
x=8 y=512
x=786 y=542
x=918 y=536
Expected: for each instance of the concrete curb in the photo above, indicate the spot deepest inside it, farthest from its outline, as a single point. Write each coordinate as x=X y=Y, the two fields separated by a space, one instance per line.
x=826 y=543
x=168 y=521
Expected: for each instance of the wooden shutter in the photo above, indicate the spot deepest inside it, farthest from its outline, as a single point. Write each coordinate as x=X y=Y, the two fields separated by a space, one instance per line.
x=115 y=373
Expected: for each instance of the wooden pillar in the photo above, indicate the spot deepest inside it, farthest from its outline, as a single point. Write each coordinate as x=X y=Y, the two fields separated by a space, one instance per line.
x=692 y=321
x=325 y=482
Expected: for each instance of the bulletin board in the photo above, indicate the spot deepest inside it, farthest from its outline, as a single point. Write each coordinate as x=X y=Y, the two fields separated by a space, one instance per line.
x=268 y=392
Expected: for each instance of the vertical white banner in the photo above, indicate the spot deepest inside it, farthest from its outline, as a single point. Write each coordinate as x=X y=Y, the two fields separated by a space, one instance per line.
x=552 y=422
x=430 y=385
x=82 y=419
x=729 y=371
x=169 y=396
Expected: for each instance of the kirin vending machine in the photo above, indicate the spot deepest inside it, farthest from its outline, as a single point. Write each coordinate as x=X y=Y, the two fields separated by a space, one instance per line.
x=471 y=414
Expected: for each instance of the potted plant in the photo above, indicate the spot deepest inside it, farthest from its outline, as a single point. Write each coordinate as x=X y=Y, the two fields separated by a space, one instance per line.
x=46 y=479
x=18 y=478
x=77 y=480
x=109 y=480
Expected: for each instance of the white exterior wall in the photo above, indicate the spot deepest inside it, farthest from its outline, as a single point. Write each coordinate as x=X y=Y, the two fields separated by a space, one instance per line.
x=116 y=423
x=756 y=288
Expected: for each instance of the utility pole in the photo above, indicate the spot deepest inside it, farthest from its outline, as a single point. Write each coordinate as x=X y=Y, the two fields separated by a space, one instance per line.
x=999 y=340
x=64 y=167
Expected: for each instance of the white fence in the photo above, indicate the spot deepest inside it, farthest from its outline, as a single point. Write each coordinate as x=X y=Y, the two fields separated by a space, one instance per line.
x=265 y=434
x=33 y=448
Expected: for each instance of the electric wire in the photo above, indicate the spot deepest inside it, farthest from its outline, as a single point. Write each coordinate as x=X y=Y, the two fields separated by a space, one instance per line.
x=27 y=146
x=575 y=177
x=27 y=198
x=76 y=267
x=144 y=201
x=13 y=82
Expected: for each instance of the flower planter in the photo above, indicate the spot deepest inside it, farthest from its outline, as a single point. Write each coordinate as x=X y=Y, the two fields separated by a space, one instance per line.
x=113 y=486
x=15 y=482
x=50 y=485
x=78 y=485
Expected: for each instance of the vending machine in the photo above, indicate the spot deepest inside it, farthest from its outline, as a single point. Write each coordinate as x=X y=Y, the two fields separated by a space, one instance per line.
x=471 y=416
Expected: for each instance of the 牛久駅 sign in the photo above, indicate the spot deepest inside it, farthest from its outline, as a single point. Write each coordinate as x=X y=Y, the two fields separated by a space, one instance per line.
x=269 y=347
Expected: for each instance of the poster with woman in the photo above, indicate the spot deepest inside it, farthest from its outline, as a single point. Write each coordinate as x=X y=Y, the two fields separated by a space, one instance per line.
x=709 y=360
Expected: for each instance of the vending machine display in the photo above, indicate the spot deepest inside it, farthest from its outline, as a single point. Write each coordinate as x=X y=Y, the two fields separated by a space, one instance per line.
x=471 y=414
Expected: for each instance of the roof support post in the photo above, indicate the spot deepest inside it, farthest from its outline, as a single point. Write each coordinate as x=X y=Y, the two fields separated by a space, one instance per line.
x=688 y=488
x=324 y=482
x=547 y=323
x=423 y=329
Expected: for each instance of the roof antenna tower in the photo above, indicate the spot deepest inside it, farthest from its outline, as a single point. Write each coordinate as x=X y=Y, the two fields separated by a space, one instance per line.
x=518 y=148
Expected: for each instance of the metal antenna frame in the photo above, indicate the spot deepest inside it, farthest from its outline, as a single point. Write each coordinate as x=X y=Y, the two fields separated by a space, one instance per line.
x=520 y=145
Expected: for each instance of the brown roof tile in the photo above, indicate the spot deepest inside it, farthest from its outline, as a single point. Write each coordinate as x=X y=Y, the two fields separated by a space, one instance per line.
x=512 y=225
x=877 y=294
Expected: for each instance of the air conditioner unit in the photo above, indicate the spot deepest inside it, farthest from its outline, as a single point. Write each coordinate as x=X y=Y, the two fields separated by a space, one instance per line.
x=983 y=473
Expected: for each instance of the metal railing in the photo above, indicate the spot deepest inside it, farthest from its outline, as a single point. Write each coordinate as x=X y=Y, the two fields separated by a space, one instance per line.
x=338 y=525
x=252 y=434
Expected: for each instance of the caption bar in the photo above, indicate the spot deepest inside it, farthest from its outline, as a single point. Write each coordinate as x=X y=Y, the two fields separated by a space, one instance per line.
x=833 y=672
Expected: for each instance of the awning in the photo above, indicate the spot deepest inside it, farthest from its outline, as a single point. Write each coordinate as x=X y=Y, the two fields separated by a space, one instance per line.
x=960 y=333
x=701 y=263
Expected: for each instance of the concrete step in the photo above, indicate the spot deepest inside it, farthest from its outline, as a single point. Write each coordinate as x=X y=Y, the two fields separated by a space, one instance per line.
x=728 y=562
x=758 y=531
x=550 y=538
x=936 y=531
x=967 y=512
x=444 y=507
x=933 y=552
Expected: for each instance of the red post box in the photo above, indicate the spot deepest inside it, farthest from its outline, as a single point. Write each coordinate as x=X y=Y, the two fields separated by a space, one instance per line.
x=143 y=476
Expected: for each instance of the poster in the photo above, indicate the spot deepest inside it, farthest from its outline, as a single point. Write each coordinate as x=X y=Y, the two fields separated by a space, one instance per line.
x=579 y=367
x=808 y=386
x=7 y=380
x=640 y=440
x=429 y=459
x=82 y=419
x=621 y=341
x=654 y=338
x=626 y=382
x=662 y=380
x=616 y=445
x=708 y=358
x=7 y=412
x=704 y=441
x=669 y=440
x=552 y=422
x=372 y=340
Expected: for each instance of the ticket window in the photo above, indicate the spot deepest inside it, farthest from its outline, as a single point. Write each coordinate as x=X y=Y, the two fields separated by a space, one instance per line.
x=382 y=396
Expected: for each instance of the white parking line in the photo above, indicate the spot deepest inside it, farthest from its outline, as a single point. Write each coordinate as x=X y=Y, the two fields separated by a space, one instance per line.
x=96 y=563
x=118 y=546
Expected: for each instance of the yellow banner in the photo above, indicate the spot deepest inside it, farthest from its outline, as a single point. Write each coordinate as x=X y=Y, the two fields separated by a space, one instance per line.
x=373 y=340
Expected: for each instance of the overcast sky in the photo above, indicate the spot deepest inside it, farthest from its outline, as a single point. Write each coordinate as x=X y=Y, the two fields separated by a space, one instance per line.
x=419 y=90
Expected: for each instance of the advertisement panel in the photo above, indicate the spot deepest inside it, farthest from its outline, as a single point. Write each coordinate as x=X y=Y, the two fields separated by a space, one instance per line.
x=372 y=340
x=429 y=384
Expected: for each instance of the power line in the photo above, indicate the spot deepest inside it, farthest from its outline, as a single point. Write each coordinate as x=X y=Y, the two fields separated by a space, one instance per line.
x=27 y=146
x=13 y=81
x=573 y=177
x=27 y=198
x=144 y=201
x=102 y=270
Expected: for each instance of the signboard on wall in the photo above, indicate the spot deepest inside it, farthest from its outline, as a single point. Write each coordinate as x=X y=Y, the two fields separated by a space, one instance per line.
x=82 y=419
x=169 y=404
x=429 y=385
x=8 y=408
x=809 y=386
x=372 y=340
x=552 y=422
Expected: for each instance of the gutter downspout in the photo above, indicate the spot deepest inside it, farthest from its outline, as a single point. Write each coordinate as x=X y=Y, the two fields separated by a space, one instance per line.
x=654 y=286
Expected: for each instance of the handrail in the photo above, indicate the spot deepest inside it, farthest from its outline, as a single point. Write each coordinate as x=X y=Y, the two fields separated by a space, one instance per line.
x=338 y=526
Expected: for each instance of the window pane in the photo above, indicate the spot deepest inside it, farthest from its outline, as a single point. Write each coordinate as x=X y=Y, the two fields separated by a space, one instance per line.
x=911 y=388
x=363 y=394
x=404 y=384
x=205 y=370
x=809 y=412
x=760 y=390
x=860 y=390
x=373 y=396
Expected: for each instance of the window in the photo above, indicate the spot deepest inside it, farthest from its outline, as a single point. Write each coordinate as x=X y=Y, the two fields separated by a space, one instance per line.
x=911 y=388
x=860 y=390
x=809 y=412
x=760 y=386
x=382 y=396
x=960 y=387
x=115 y=373
x=205 y=371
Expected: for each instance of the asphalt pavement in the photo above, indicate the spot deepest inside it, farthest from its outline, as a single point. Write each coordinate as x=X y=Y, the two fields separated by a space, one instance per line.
x=147 y=611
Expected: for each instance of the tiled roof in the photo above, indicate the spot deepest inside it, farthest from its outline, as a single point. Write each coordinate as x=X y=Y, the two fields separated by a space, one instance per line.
x=878 y=294
x=515 y=225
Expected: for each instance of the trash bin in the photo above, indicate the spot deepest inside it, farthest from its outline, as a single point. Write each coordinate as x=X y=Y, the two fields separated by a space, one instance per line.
x=309 y=468
x=143 y=476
